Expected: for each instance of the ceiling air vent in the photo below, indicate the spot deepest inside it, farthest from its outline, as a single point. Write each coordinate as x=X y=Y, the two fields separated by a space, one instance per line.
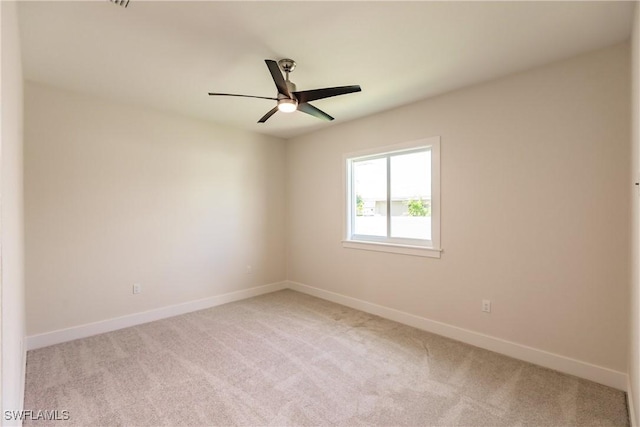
x=123 y=3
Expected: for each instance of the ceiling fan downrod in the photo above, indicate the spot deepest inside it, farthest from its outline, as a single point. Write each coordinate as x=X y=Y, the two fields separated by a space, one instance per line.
x=287 y=66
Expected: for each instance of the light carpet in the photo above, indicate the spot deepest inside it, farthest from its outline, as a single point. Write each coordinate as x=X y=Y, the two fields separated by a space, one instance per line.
x=291 y=359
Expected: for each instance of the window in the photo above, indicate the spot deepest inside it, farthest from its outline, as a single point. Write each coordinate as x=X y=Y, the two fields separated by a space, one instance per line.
x=393 y=199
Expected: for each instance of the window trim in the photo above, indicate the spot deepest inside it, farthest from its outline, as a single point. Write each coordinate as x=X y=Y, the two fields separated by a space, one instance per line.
x=394 y=245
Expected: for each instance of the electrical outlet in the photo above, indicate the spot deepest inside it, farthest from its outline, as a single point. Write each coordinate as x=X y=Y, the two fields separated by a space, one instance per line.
x=249 y=269
x=486 y=306
x=137 y=288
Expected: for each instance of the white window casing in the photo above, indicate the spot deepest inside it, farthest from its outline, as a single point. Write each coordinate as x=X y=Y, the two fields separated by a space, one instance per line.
x=399 y=245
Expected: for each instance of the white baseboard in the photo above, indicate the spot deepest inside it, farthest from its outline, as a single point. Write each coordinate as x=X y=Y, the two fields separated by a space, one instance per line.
x=89 y=329
x=549 y=360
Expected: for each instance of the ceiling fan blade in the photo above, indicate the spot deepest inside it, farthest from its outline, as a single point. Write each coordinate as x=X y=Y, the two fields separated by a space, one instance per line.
x=277 y=77
x=315 y=112
x=314 y=94
x=269 y=114
x=243 y=96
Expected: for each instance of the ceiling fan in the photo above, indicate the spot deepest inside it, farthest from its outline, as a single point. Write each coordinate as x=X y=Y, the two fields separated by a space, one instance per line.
x=289 y=99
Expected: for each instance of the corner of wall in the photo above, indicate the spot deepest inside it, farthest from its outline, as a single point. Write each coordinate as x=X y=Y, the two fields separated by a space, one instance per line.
x=633 y=392
x=12 y=215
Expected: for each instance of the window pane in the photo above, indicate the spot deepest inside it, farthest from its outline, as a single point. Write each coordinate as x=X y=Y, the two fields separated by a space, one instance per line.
x=370 y=197
x=411 y=195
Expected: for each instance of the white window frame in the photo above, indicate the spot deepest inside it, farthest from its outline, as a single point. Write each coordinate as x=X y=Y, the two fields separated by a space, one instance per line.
x=404 y=246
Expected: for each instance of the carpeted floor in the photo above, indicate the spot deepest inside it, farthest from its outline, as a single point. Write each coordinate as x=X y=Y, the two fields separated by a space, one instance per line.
x=290 y=359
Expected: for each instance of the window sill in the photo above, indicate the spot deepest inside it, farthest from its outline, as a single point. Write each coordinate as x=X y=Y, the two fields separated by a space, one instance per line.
x=392 y=248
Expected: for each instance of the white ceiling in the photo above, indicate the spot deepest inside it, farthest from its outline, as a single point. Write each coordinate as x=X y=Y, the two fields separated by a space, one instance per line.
x=168 y=55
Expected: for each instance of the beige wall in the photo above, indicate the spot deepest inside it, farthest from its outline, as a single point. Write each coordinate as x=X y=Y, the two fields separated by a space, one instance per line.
x=535 y=209
x=11 y=216
x=117 y=195
x=634 y=353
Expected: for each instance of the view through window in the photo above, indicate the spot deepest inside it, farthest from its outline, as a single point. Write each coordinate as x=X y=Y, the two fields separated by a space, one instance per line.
x=391 y=195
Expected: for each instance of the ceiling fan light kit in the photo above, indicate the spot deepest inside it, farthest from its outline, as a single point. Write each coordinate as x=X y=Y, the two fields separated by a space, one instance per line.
x=289 y=99
x=287 y=105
